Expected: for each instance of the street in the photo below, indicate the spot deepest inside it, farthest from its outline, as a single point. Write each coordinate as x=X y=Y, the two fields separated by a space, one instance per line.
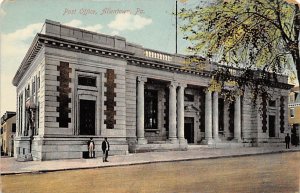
x=262 y=173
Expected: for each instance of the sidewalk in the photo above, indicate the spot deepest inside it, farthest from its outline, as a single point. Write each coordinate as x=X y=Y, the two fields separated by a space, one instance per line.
x=11 y=166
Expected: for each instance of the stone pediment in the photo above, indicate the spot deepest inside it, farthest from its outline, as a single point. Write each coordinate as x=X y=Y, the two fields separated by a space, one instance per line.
x=191 y=108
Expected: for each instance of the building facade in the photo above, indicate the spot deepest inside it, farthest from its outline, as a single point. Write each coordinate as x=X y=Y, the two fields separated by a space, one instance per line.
x=294 y=113
x=74 y=84
x=8 y=131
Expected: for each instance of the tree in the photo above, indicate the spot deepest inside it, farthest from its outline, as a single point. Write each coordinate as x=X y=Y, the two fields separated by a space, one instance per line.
x=246 y=34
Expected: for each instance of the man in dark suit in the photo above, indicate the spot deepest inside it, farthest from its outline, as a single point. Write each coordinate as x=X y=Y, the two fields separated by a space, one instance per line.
x=105 y=149
x=287 y=141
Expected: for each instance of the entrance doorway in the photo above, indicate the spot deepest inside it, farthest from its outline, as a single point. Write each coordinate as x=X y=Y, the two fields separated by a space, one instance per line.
x=87 y=117
x=271 y=126
x=189 y=129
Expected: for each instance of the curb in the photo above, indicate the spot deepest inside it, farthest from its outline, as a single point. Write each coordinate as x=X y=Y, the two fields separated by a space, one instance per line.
x=147 y=162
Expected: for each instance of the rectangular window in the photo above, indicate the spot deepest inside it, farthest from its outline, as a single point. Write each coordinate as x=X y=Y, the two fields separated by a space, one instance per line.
x=33 y=87
x=38 y=81
x=20 y=115
x=292 y=112
x=151 y=100
x=13 y=128
x=38 y=116
x=87 y=81
x=27 y=92
x=272 y=103
x=189 y=97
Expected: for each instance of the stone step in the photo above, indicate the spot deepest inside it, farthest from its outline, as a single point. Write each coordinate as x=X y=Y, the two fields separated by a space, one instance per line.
x=24 y=158
x=139 y=148
x=229 y=144
x=197 y=146
x=156 y=142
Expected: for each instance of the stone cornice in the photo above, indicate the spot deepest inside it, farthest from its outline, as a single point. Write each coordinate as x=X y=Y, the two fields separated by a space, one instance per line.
x=105 y=51
x=147 y=63
x=29 y=57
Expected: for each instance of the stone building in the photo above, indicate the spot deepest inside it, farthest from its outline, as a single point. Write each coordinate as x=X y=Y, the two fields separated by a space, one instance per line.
x=75 y=84
x=8 y=131
x=294 y=112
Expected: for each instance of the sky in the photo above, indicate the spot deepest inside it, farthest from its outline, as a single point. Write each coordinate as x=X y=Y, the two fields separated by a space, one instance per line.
x=150 y=23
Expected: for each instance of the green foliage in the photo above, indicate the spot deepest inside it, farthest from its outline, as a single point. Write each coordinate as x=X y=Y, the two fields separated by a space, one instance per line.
x=250 y=34
x=245 y=35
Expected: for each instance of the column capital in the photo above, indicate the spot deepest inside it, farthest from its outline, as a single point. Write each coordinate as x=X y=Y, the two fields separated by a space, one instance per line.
x=182 y=85
x=206 y=90
x=141 y=79
x=173 y=84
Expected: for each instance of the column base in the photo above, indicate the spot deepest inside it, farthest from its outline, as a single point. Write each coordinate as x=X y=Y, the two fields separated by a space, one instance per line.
x=142 y=141
x=208 y=141
x=182 y=141
x=173 y=140
x=183 y=145
x=237 y=140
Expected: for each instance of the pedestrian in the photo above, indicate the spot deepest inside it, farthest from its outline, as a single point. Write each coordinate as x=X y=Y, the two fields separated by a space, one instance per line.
x=105 y=149
x=287 y=141
x=91 y=148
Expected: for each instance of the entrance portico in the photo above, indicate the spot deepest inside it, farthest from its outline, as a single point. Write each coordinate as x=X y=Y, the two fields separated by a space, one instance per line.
x=178 y=106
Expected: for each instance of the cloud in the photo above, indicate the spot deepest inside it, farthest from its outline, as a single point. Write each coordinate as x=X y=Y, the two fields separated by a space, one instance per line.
x=74 y=23
x=114 y=33
x=94 y=28
x=2 y=12
x=128 y=21
x=78 y=24
x=14 y=46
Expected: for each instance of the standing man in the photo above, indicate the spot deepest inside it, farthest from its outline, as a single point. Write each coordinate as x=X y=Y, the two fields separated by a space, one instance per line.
x=91 y=148
x=287 y=141
x=105 y=149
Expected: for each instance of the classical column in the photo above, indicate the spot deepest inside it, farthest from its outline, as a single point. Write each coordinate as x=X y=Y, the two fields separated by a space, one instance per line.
x=172 y=112
x=140 y=110
x=226 y=119
x=237 y=119
x=180 y=114
x=208 y=117
x=215 y=116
